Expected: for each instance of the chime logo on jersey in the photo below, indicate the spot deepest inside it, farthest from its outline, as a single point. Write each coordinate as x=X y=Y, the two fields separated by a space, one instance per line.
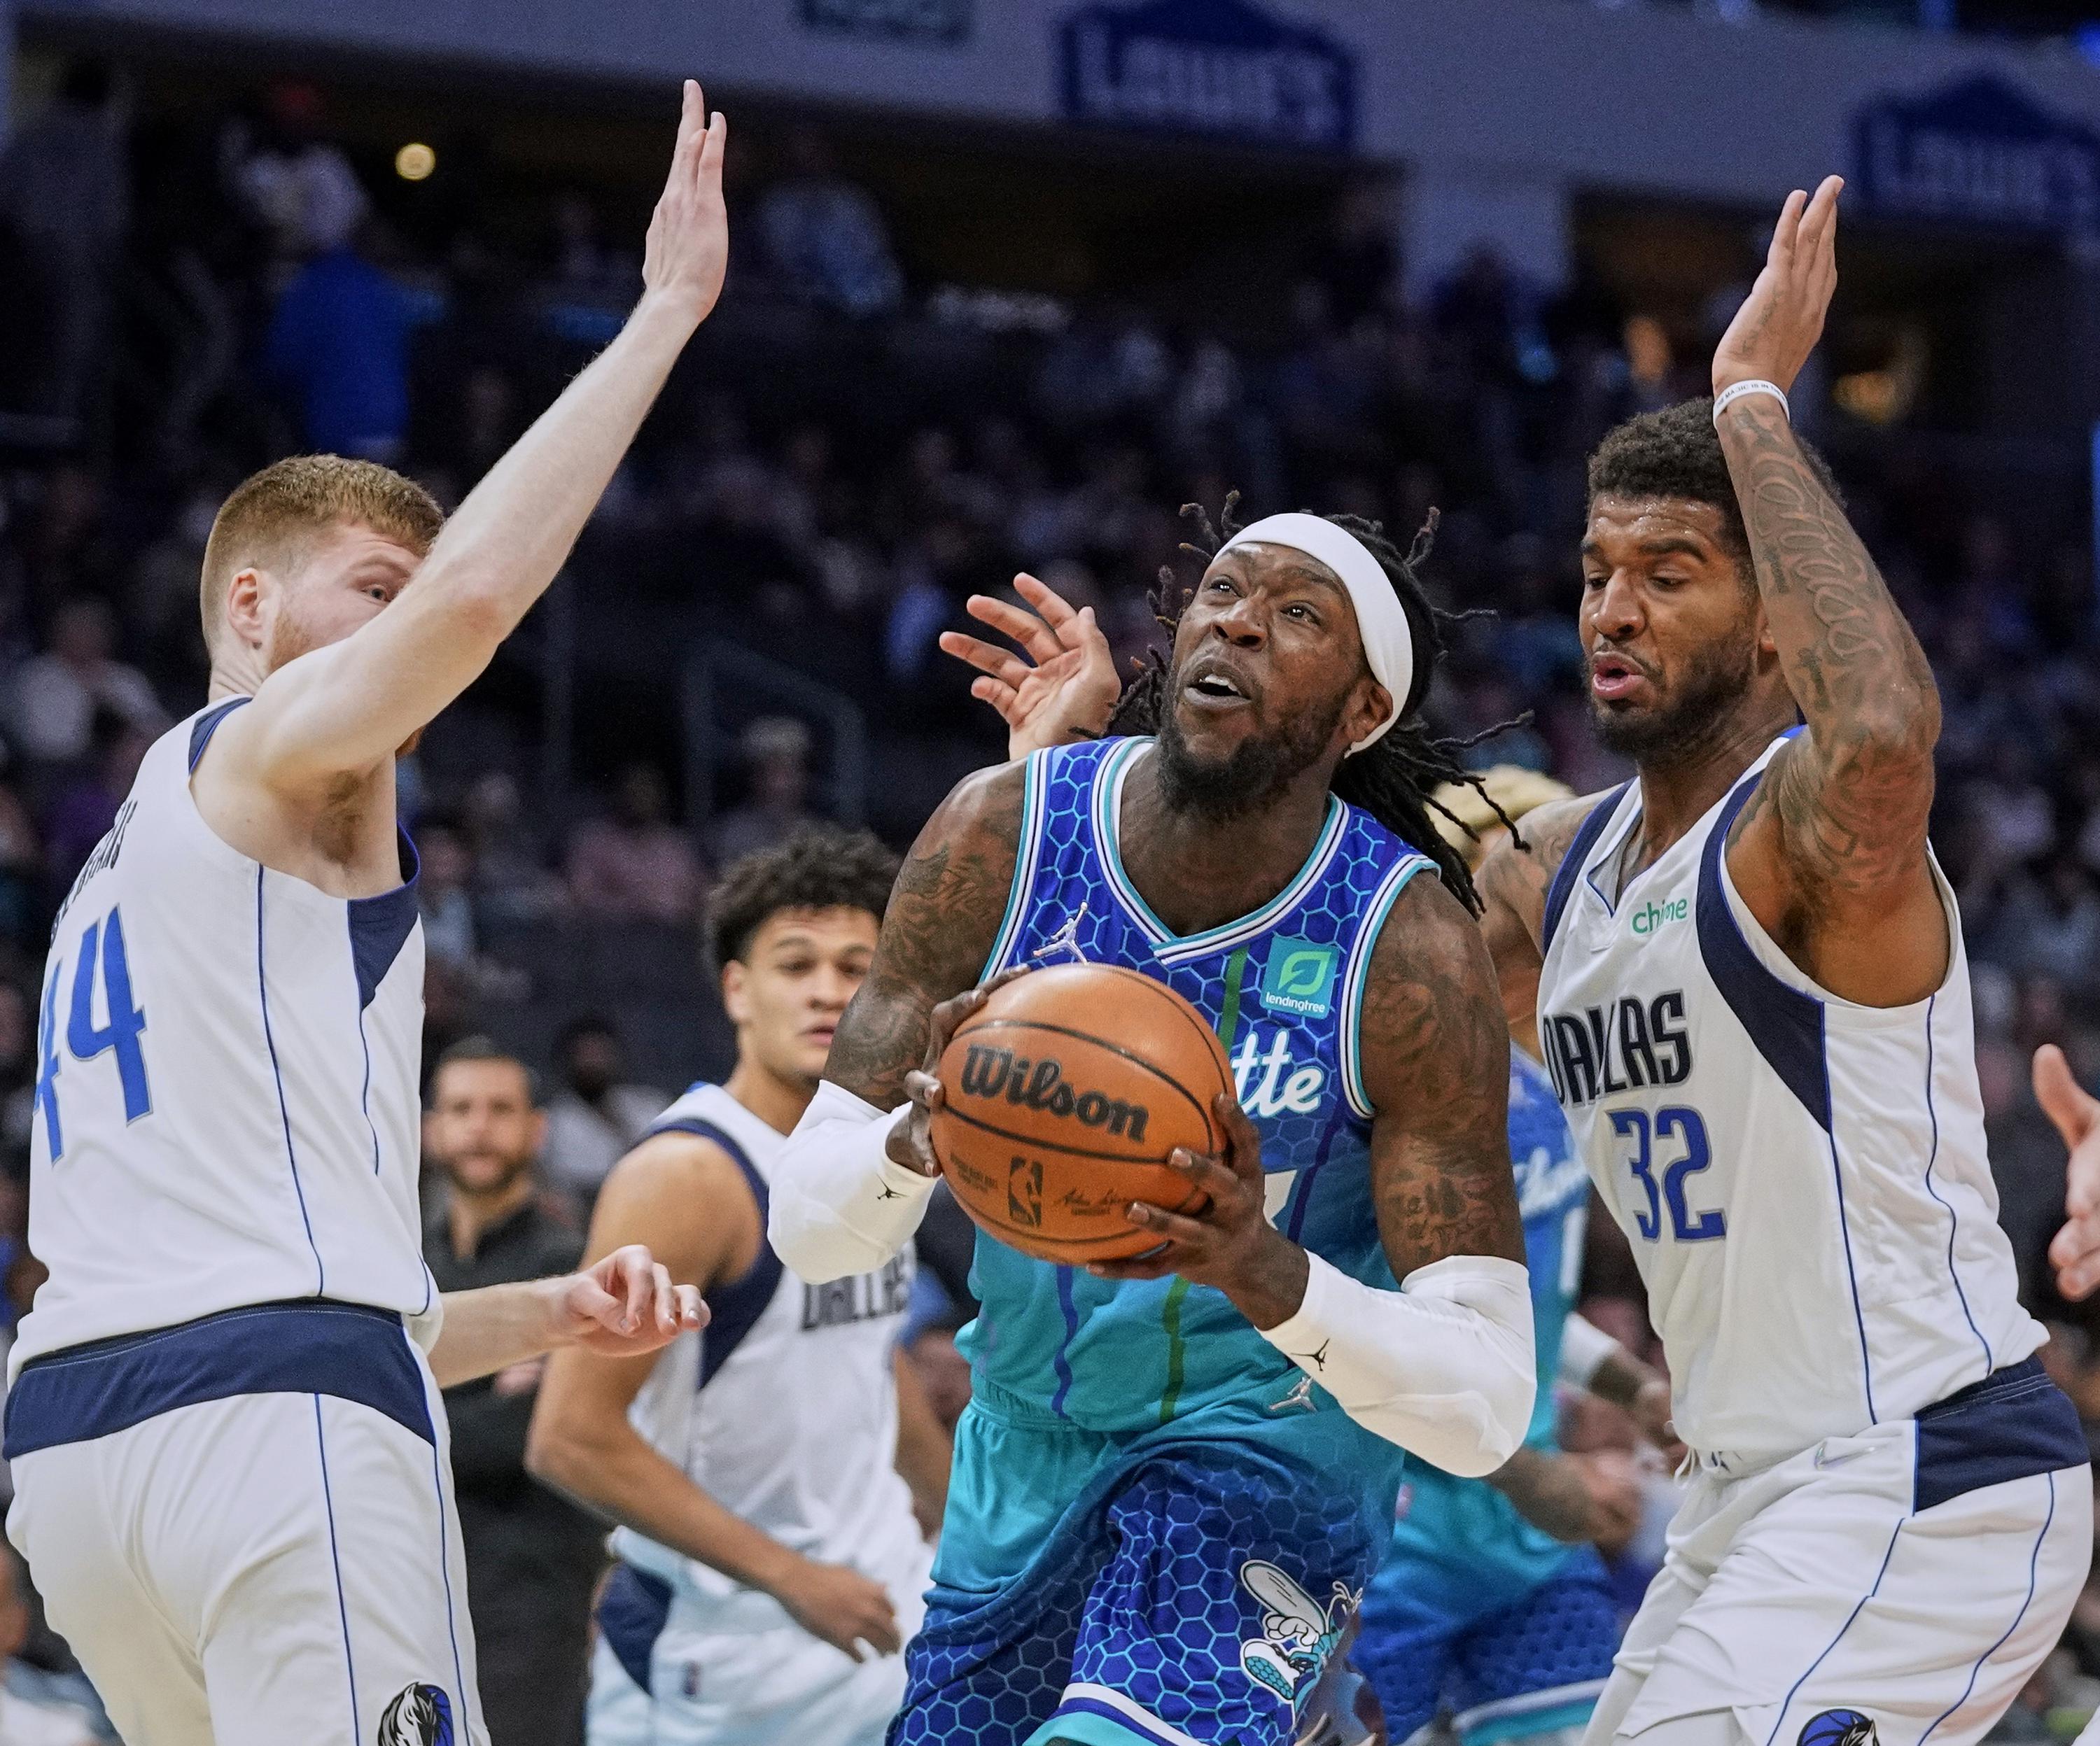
x=419 y=1716
x=1298 y=978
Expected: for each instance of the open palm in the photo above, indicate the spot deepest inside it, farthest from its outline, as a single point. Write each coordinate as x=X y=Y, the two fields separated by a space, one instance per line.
x=1070 y=690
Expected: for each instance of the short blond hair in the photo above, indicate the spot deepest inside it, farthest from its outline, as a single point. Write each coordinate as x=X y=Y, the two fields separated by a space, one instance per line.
x=273 y=514
x=1512 y=787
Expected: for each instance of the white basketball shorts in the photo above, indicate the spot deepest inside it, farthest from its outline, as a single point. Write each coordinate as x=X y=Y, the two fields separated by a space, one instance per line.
x=1890 y=1587
x=667 y=1674
x=245 y=1527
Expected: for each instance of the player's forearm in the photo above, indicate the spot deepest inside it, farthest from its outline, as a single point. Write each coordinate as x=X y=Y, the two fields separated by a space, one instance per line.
x=1854 y=668
x=606 y=1466
x=1547 y=1492
x=839 y=1204
x=924 y=1454
x=492 y=1328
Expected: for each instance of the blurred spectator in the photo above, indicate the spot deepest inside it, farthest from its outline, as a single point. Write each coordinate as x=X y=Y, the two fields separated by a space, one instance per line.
x=824 y=237
x=66 y=195
x=36 y=1706
x=297 y=186
x=57 y=694
x=635 y=865
x=511 y=883
x=338 y=347
x=532 y=1557
x=595 y=1116
x=18 y=1080
x=445 y=892
x=21 y=871
x=85 y=806
x=776 y=751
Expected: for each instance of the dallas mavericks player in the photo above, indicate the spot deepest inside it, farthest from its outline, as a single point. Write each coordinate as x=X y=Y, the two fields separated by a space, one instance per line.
x=1482 y=1607
x=1176 y=1474
x=1748 y=977
x=770 y=1565
x=228 y=1448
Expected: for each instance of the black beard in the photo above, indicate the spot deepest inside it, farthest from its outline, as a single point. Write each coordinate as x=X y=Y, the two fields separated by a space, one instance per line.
x=1249 y=776
x=1696 y=711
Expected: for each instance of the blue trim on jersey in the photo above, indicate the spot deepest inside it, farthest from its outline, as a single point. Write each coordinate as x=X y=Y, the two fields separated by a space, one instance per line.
x=1382 y=899
x=335 y=1558
x=347 y=1351
x=1170 y=947
x=467 y=1696
x=380 y=925
x=1786 y=1024
x=1571 y=867
x=277 y=1073
x=1852 y=1278
x=2015 y=1424
x=1137 y=1723
x=631 y=1611
x=1032 y=789
x=1953 y=1219
x=1301 y=1191
x=206 y=724
x=2034 y=1561
x=1060 y=1361
x=734 y=1307
x=1785 y=1702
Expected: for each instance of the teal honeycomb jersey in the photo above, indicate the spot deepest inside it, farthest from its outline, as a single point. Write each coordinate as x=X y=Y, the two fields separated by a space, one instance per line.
x=1284 y=988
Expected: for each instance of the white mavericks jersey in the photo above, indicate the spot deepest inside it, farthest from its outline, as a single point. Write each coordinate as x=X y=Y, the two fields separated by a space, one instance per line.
x=1803 y=1180
x=784 y=1408
x=227 y=1110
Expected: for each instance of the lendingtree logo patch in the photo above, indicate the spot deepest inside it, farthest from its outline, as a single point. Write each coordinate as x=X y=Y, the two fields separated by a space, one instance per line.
x=1298 y=977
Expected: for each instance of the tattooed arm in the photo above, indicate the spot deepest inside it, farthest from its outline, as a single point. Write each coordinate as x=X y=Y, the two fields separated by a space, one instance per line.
x=850 y=1186
x=1512 y=883
x=1829 y=854
x=1435 y=1063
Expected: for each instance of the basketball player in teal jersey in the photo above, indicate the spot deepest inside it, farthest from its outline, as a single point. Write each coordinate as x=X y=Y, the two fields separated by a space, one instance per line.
x=1177 y=1473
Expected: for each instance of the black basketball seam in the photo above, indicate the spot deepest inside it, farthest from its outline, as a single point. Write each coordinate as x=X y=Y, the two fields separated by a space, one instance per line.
x=997 y=1234
x=1190 y=1016
x=1081 y=1036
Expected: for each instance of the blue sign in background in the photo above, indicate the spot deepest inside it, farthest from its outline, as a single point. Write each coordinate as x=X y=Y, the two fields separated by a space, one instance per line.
x=1980 y=151
x=1222 y=68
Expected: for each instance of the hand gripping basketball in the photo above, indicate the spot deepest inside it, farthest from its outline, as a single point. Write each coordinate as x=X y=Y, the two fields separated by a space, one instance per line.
x=911 y=1141
x=1230 y=1243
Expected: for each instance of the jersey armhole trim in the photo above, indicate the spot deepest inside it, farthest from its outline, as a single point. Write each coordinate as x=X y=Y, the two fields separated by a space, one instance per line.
x=735 y=1305
x=1570 y=869
x=1382 y=901
x=1034 y=785
x=206 y=724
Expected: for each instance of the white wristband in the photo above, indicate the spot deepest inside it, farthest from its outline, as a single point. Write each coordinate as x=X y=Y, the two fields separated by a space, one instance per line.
x=1584 y=1348
x=839 y=1204
x=1727 y=397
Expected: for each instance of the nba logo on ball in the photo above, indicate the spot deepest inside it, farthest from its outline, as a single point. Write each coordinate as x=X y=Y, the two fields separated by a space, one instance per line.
x=1299 y=978
x=1839 y=1727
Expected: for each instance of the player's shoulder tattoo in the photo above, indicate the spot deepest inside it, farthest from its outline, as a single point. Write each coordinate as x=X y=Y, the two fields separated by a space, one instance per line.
x=943 y=918
x=1516 y=878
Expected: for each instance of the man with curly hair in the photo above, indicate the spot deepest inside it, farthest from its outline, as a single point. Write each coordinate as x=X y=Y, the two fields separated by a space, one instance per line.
x=770 y=1567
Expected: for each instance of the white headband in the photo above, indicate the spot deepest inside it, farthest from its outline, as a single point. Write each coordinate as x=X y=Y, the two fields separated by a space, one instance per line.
x=1381 y=620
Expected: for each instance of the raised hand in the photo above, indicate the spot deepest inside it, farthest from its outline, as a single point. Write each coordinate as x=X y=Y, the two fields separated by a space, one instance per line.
x=2075 y=1252
x=687 y=251
x=1069 y=691
x=1782 y=318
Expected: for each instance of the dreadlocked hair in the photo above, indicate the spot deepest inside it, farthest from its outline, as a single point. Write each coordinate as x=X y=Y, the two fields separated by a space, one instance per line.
x=1395 y=780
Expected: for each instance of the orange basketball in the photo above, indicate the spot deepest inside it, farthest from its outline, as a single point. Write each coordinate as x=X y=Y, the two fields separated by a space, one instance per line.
x=1063 y=1096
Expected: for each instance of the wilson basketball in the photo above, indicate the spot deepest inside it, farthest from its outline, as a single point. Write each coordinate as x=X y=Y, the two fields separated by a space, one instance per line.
x=1064 y=1095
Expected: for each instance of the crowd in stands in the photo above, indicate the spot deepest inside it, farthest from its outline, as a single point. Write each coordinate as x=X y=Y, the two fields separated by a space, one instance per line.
x=846 y=456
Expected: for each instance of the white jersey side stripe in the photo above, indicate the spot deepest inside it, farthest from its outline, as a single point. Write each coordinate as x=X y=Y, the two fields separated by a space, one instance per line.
x=277 y=1074
x=1953 y=1218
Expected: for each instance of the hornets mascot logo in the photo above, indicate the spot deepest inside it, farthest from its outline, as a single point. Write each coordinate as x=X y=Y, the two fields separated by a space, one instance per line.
x=419 y=1715
x=1839 y=1727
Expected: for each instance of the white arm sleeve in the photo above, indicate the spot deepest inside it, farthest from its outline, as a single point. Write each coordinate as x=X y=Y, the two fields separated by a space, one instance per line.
x=1443 y=1367
x=1584 y=1348
x=839 y=1205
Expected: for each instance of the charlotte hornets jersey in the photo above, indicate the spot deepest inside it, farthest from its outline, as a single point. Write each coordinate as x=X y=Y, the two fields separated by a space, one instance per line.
x=1284 y=988
x=226 y=1110
x=1803 y=1179
x=784 y=1408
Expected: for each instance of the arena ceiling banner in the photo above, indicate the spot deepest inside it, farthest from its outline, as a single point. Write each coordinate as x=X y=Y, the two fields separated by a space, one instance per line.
x=1980 y=150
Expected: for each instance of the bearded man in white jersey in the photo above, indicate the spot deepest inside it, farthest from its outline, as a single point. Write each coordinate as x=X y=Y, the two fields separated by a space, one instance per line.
x=1748 y=980
x=229 y=1452
x=770 y=1567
